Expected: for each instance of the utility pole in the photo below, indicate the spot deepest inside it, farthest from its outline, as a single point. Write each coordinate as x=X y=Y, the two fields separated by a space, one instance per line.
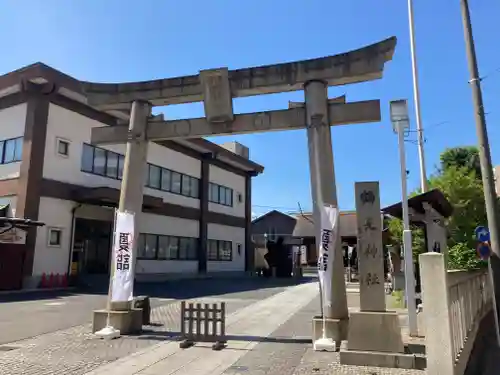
x=485 y=159
x=416 y=97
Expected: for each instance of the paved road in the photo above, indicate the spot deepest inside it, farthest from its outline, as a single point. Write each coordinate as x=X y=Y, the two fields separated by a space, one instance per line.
x=31 y=314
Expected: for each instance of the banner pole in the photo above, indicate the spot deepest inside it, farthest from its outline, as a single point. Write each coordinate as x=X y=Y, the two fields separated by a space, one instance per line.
x=111 y=272
x=109 y=332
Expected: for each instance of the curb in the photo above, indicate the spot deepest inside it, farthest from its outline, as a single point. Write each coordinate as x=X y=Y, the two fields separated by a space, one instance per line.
x=34 y=290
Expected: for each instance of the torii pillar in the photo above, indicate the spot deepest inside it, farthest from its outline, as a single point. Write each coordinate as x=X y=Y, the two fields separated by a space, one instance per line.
x=324 y=191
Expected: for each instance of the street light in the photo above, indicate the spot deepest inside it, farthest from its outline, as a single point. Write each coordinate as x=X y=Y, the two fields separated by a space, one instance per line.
x=401 y=124
x=416 y=97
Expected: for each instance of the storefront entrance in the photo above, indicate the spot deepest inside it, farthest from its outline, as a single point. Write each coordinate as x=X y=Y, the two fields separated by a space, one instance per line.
x=93 y=245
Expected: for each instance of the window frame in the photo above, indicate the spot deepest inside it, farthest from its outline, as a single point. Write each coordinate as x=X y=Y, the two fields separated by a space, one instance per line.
x=170 y=239
x=183 y=177
x=17 y=154
x=49 y=236
x=223 y=192
x=220 y=246
x=60 y=141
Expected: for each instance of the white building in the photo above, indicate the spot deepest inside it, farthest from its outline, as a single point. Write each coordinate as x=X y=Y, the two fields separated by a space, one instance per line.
x=197 y=200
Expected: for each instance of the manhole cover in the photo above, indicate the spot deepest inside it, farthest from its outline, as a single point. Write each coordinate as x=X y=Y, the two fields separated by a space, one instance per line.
x=5 y=348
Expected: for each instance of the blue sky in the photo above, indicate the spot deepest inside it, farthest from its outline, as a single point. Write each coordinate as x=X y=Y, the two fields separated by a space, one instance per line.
x=124 y=40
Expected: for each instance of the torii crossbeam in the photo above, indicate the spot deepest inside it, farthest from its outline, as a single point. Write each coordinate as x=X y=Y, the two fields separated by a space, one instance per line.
x=288 y=119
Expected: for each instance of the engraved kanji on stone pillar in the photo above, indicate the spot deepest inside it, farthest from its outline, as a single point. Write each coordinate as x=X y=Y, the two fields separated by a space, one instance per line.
x=370 y=247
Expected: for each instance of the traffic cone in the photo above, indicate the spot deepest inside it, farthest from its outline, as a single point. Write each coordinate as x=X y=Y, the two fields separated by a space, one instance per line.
x=64 y=281
x=43 y=283
x=51 y=281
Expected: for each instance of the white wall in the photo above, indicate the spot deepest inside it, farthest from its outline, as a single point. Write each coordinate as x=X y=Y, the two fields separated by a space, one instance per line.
x=12 y=122
x=173 y=226
x=54 y=213
x=57 y=213
x=76 y=128
x=233 y=181
x=237 y=236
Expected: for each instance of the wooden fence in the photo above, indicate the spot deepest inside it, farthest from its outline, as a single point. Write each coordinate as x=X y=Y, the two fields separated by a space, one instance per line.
x=203 y=323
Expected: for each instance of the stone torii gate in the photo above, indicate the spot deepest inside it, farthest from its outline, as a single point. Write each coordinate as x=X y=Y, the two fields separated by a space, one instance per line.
x=216 y=88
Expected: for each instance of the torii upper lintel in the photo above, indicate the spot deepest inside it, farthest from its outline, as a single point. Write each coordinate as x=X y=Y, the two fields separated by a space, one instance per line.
x=364 y=64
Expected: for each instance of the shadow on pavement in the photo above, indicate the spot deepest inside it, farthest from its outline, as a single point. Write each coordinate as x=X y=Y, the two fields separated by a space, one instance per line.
x=172 y=289
x=176 y=336
x=19 y=296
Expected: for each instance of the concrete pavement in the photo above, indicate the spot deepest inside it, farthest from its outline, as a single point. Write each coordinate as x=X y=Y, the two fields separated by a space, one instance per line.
x=75 y=350
x=256 y=322
x=271 y=336
x=269 y=330
x=61 y=309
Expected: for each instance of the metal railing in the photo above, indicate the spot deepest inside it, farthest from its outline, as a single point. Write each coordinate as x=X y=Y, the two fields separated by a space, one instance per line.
x=454 y=303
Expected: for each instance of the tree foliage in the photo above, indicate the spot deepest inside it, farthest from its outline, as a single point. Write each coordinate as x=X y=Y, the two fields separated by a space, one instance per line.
x=464 y=191
x=460 y=181
x=395 y=227
x=461 y=157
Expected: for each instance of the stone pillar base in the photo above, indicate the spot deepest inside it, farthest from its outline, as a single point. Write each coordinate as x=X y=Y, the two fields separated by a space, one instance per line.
x=336 y=329
x=375 y=331
x=382 y=359
x=128 y=322
x=375 y=339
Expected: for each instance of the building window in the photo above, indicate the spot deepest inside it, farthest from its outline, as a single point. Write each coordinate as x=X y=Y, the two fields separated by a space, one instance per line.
x=54 y=237
x=87 y=158
x=218 y=250
x=11 y=150
x=110 y=164
x=154 y=180
x=62 y=147
x=173 y=182
x=160 y=247
x=176 y=183
x=220 y=194
x=240 y=198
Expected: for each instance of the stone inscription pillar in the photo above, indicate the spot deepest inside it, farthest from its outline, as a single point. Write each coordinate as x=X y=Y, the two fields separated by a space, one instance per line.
x=373 y=329
x=370 y=247
x=323 y=186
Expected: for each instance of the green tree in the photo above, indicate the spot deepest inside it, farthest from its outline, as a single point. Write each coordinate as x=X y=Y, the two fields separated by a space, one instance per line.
x=461 y=157
x=459 y=179
x=395 y=227
x=464 y=191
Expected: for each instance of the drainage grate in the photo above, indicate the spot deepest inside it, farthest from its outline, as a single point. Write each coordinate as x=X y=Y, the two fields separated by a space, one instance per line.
x=5 y=348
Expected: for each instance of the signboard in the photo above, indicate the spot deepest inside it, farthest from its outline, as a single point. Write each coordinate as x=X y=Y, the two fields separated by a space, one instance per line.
x=483 y=250
x=123 y=244
x=482 y=234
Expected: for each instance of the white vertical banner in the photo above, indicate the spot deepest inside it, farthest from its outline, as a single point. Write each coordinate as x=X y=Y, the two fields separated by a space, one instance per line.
x=123 y=244
x=329 y=232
